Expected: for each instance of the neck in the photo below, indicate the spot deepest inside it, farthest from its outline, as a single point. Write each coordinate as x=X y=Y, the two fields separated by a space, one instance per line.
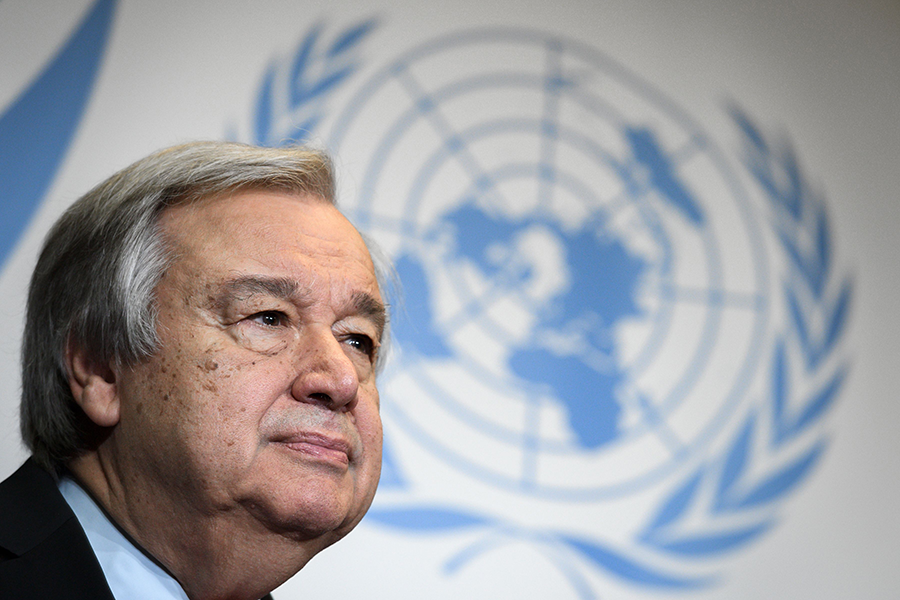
x=214 y=554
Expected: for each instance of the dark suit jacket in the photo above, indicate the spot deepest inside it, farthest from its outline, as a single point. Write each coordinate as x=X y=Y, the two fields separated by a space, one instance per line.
x=44 y=553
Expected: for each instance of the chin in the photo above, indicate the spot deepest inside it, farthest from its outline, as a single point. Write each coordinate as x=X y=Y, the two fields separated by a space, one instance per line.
x=309 y=511
x=306 y=499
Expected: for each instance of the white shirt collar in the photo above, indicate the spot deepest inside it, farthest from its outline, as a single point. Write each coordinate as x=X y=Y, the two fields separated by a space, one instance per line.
x=130 y=573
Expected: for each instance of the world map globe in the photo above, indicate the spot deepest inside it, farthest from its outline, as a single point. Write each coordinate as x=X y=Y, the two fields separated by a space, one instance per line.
x=584 y=283
x=576 y=301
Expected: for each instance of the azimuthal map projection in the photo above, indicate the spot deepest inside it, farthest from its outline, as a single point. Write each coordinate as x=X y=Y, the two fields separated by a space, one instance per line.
x=561 y=242
x=588 y=332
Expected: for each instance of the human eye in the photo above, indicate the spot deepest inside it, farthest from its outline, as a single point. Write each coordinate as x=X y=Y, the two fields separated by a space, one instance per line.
x=269 y=318
x=265 y=331
x=362 y=344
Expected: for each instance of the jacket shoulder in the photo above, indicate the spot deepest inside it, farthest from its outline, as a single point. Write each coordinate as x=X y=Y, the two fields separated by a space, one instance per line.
x=44 y=552
x=31 y=508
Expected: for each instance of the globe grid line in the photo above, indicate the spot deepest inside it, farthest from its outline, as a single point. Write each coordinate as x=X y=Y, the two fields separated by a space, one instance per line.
x=710 y=328
x=660 y=427
x=726 y=298
x=425 y=104
x=549 y=134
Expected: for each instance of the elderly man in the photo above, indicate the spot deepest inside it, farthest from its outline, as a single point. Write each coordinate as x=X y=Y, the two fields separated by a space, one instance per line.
x=198 y=383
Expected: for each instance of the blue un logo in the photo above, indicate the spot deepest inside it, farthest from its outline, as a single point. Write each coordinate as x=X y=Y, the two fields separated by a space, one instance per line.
x=562 y=240
x=616 y=343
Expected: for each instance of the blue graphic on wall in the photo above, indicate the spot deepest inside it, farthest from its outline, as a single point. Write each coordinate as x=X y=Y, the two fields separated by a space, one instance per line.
x=37 y=128
x=522 y=281
x=596 y=306
x=586 y=306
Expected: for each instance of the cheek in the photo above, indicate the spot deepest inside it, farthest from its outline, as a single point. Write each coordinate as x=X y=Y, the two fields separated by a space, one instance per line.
x=211 y=403
x=368 y=423
x=239 y=396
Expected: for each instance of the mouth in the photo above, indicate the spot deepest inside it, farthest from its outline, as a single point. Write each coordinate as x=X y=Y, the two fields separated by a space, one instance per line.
x=325 y=448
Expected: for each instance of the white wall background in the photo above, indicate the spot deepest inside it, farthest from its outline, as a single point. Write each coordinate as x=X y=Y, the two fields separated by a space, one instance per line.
x=826 y=71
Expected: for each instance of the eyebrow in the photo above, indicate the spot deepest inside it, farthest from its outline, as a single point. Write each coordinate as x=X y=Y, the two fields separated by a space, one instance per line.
x=371 y=308
x=280 y=287
x=361 y=303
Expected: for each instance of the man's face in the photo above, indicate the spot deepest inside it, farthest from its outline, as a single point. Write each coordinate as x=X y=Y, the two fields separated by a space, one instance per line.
x=261 y=402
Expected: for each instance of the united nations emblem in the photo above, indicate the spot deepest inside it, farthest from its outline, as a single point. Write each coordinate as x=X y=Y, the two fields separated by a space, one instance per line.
x=616 y=341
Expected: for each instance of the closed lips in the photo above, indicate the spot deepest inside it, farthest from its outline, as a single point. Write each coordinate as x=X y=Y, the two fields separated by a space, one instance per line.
x=316 y=444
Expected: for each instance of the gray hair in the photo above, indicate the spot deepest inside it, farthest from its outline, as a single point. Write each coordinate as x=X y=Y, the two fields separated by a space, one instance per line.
x=94 y=283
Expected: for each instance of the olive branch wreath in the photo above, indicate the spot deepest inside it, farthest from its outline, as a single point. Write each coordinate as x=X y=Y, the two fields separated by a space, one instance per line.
x=292 y=97
x=732 y=498
x=817 y=303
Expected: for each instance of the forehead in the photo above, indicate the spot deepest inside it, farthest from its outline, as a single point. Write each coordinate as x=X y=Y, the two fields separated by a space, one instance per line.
x=271 y=233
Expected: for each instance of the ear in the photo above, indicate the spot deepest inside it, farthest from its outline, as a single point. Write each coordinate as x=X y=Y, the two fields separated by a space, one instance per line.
x=93 y=386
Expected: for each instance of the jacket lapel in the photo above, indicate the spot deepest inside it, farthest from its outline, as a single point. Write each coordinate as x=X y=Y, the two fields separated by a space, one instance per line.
x=44 y=553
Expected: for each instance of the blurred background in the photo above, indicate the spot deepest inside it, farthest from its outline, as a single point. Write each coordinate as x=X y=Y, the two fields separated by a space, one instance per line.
x=644 y=344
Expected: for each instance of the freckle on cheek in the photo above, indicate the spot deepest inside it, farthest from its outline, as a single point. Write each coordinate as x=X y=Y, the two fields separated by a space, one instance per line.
x=140 y=407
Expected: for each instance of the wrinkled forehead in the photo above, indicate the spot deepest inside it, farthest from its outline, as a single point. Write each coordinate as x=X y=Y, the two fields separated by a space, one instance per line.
x=265 y=218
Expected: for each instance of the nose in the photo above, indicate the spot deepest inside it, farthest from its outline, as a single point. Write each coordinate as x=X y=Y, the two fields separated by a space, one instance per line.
x=325 y=374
